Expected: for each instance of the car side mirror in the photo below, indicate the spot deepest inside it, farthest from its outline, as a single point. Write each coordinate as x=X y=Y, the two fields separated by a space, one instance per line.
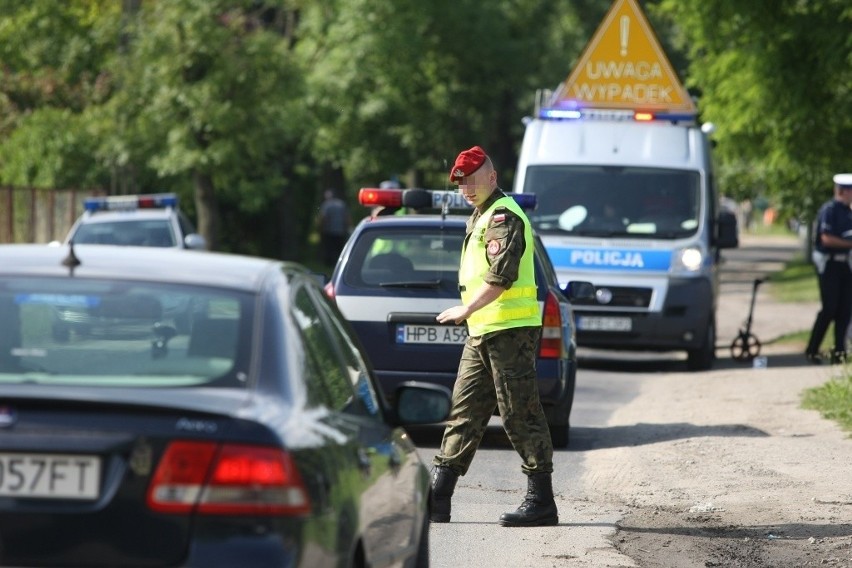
x=578 y=290
x=195 y=241
x=422 y=403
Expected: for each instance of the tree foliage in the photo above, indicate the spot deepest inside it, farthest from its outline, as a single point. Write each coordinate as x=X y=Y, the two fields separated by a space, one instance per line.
x=210 y=96
x=775 y=77
x=53 y=58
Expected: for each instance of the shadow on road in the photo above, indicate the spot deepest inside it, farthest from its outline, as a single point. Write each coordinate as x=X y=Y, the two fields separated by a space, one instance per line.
x=637 y=363
x=584 y=438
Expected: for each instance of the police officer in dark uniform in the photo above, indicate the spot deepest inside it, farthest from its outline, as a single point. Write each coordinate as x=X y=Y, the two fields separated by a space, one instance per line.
x=497 y=367
x=831 y=256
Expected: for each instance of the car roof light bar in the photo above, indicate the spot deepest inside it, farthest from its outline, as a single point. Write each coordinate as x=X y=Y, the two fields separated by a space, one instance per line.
x=131 y=202
x=573 y=113
x=442 y=199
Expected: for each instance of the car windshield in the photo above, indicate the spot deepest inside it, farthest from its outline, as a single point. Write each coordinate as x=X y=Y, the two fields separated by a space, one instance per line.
x=406 y=257
x=614 y=201
x=122 y=334
x=148 y=233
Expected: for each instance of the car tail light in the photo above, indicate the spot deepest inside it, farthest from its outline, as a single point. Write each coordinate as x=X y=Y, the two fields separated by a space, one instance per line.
x=551 y=333
x=231 y=479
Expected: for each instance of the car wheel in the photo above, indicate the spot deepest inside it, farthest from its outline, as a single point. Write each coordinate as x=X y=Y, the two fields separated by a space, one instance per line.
x=559 y=435
x=702 y=359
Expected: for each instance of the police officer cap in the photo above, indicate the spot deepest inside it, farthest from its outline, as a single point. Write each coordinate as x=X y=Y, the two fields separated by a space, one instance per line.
x=843 y=180
x=467 y=163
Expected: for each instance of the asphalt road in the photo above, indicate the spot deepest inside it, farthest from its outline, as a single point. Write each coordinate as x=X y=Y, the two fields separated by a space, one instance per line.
x=607 y=382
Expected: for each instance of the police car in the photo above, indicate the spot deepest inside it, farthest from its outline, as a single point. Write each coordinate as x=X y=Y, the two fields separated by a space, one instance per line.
x=398 y=272
x=152 y=220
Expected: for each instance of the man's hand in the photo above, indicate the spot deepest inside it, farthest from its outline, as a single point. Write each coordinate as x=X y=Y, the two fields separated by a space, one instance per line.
x=456 y=314
x=484 y=296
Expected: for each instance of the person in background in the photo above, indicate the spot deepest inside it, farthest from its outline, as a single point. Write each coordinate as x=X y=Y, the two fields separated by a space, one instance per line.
x=334 y=225
x=497 y=367
x=833 y=241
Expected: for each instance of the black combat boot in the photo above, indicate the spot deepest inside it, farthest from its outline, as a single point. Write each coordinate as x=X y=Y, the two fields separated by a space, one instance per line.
x=538 y=508
x=443 y=485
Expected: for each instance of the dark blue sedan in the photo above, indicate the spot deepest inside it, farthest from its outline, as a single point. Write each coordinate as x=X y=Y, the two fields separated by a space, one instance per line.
x=245 y=429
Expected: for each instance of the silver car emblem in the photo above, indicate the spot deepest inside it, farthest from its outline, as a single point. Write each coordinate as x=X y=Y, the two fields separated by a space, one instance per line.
x=603 y=295
x=8 y=416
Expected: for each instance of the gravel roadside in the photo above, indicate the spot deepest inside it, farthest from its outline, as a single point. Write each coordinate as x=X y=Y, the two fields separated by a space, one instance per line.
x=727 y=468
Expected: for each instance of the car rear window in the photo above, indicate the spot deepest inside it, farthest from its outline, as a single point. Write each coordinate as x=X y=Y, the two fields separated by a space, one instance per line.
x=407 y=255
x=146 y=233
x=93 y=332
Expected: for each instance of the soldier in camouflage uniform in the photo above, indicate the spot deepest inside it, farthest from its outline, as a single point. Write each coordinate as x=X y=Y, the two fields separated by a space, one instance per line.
x=497 y=367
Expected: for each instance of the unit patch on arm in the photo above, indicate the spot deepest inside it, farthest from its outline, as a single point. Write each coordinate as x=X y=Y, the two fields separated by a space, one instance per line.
x=493 y=247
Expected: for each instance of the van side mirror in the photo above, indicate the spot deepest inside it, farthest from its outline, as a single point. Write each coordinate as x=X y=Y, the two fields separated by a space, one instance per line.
x=726 y=230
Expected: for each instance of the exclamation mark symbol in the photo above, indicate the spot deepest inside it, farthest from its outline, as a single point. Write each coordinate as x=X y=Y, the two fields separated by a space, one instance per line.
x=625 y=33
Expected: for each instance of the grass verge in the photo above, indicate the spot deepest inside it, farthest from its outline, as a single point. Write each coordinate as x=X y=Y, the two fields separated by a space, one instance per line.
x=833 y=400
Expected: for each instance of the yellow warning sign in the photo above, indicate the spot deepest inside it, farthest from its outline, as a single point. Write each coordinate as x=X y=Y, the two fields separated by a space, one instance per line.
x=624 y=67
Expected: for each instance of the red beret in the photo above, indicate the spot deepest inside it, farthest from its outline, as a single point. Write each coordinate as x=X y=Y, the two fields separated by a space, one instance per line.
x=466 y=163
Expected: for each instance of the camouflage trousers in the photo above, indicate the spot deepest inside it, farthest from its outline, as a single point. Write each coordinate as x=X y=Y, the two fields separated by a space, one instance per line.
x=498 y=370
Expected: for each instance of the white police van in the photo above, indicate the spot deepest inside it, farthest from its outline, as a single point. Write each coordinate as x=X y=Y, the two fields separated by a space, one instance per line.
x=627 y=198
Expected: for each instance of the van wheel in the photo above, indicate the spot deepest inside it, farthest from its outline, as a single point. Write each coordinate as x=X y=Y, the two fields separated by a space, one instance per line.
x=702 y=359
x=559 y=435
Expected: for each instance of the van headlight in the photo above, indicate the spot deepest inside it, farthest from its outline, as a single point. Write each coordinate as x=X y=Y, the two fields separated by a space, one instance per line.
x=688 y=259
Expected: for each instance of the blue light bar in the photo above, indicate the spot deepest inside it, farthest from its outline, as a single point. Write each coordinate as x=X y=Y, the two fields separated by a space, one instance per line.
x=674 y=117
x=527 y=201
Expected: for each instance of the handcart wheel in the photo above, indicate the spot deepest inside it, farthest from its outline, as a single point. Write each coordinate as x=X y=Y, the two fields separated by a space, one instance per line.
x=745 y=347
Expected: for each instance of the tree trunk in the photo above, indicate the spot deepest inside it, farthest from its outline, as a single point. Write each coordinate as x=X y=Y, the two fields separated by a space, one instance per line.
x=207 y=207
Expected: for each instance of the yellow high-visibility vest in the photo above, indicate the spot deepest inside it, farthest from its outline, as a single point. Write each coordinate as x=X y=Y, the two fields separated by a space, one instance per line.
x=515 y=307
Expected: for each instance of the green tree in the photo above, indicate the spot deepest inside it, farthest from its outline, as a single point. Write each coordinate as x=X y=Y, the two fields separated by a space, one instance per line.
x=211 y=96
x=52 y=57
x=403 y=86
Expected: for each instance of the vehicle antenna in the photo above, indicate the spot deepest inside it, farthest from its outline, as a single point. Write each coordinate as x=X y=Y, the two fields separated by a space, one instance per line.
x=71 y=261
x=445 y=201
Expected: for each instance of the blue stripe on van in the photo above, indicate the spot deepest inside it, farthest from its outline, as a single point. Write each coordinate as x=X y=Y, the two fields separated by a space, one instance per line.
x=610 y=259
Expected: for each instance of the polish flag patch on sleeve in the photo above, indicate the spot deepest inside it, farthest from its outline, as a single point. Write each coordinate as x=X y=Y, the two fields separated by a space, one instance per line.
x=498 y=218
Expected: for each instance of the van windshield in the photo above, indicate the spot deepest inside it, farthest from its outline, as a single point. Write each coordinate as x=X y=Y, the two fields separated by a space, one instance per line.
x=610 y=201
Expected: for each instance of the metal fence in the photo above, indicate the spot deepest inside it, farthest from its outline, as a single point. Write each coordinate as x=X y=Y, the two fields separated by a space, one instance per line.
x=31 y=215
